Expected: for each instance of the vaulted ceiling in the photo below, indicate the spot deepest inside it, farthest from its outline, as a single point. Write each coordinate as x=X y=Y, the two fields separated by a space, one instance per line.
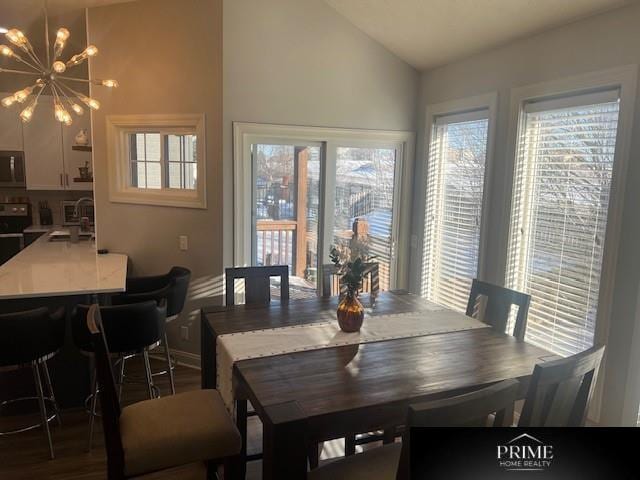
x=429 y=33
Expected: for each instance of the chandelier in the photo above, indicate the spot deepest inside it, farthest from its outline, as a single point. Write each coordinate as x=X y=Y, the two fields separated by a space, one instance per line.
x=49 y=74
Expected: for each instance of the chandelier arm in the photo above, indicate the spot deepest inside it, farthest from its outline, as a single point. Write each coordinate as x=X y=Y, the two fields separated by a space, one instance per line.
x=74 y=92
x=34 y=57
x=19 y=72
x=76 y=79
x=22 y=60
x=46 y=33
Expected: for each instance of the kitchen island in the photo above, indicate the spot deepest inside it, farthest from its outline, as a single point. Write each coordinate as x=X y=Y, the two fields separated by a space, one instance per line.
x=57 y=274
x=61 y=268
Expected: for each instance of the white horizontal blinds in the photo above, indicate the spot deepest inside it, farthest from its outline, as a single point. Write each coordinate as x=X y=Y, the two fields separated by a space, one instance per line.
x=559 y=215
x=455 y=181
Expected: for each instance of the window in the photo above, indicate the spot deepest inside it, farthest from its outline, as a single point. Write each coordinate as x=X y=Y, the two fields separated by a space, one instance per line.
x=562 y=184
x=300 y=190
x=160 y=160
x=453 y=206
x=157 y=160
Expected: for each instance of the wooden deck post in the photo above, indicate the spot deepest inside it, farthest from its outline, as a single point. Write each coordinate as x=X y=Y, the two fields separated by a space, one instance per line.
x=300 y=253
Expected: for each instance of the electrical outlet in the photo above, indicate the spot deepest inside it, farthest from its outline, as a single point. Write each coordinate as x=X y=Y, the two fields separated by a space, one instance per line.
x=184 y=242
x=184 y=332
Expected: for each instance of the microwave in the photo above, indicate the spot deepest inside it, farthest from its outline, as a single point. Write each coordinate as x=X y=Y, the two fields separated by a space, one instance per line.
x=12 y=172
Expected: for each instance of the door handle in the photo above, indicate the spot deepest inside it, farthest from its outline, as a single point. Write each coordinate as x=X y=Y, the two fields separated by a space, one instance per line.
x=66 y=176
x=61 y=181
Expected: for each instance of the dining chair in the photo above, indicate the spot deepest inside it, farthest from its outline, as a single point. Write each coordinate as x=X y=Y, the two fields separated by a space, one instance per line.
x=171 y=287
x=560 y=390
x=131 y=329
x=331 y=281
x=491 y=406
x=257 y=283
x=492 y=304
x=161 y=433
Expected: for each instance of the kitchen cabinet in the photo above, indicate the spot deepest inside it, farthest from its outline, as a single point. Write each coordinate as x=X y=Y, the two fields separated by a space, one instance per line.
x=10 y=127
x=43 y=149
x=50 y=162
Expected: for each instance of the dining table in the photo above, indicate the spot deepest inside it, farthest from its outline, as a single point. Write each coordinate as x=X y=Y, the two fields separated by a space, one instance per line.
x=318 y=394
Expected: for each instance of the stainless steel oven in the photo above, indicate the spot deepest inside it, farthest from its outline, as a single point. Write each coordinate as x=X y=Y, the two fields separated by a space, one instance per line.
x=12 y=173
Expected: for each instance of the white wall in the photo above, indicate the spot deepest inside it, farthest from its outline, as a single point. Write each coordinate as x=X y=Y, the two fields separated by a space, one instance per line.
x=298 y=62
x=592 y=44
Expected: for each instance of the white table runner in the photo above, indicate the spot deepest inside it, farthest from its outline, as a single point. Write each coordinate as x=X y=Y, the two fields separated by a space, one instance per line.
x=234 y=347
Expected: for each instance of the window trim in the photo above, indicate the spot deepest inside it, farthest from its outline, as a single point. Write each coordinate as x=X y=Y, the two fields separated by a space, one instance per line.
x=120 y=191
x=489 y=102
x=625 y=79
x=245 y=133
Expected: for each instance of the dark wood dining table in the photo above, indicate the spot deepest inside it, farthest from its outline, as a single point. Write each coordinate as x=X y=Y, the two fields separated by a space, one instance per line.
x=316 y=395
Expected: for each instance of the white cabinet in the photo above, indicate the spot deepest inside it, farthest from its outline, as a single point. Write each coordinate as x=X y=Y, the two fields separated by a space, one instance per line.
x=43 y=149
x=74 y=159
x=50 y=161
x=10 y=127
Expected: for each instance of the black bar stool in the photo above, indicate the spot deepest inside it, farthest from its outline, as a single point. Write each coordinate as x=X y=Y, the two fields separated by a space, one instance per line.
x=131 y=330
x=31 y=338
x=172 y=287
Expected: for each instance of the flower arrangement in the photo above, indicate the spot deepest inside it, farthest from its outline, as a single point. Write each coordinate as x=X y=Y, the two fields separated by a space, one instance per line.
x=351 y=267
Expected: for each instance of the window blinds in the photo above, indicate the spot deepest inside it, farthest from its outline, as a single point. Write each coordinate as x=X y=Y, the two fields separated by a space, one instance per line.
x=455 y=181
x=562 y=183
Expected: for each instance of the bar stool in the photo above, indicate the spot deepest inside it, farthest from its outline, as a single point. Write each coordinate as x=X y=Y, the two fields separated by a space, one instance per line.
x=172 y=287
x=31 y=338
x=130 y=329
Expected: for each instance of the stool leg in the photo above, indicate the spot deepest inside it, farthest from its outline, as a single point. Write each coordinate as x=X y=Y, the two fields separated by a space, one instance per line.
x=43 y=407
x=169 y=369
x=121 y=377
x=147 y=371
x=94 y=401
x=47 y=379
x=349 y=445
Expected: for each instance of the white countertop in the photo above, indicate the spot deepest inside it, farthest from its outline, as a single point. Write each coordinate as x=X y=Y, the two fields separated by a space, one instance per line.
x=48 y=269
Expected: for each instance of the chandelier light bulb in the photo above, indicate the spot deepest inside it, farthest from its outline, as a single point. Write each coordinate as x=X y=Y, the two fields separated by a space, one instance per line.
x=59 y=67
x=8 y=101
x=22 y=95
x=77 y=108
x=6 y=51
x=62 y=35
x=27 y=113
x=16 y=37
x=110 y=83
x=91 y=51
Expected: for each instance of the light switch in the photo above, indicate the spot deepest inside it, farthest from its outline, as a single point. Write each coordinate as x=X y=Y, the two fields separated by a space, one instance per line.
x=184 y=332
x=184 y=243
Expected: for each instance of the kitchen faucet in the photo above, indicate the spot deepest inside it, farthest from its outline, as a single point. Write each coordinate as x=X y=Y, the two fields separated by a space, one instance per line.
x=78 y=202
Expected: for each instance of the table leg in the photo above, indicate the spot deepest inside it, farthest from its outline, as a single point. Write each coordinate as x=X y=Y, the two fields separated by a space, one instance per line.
x=207 y=354
x=241 y=423
x=284 y=442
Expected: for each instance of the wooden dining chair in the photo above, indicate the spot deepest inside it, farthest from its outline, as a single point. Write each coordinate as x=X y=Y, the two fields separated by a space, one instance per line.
x=187 y=428
x=492 y=304
x=331 y=281
x=257 y=283
x=560 y=391
x=491 y=406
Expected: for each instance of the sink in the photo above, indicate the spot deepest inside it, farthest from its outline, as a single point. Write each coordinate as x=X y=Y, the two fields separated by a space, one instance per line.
x=65 y=236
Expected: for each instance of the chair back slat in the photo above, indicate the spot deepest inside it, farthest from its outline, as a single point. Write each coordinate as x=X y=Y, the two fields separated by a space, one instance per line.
x=560 y=391
x=331 y=281
x=473 y=409
x=257 y=281
x=492 y=304
x=109 y=403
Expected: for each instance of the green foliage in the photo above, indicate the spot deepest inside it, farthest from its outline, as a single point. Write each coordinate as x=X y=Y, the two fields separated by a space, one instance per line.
x=351 y=270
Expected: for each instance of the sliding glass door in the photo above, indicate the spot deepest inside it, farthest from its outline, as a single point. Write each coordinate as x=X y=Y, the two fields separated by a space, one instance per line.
x=287 y=208
x=309 y=196
x=363 y=207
